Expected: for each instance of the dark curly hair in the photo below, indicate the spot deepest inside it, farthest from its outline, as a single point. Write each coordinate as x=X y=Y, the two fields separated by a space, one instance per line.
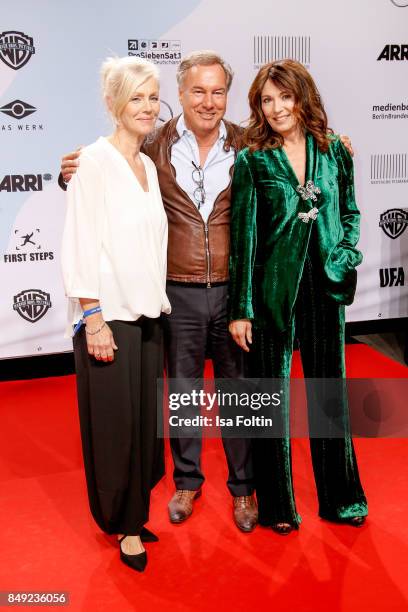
x=309 y=110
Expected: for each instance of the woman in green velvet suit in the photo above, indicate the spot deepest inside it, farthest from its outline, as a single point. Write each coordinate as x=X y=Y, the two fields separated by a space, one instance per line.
x=294 y=229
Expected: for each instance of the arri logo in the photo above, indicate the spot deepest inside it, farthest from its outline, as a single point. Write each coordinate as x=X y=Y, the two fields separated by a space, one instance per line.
x=394 y=52
x=400 y=3
x=16 y=48
x=32 y=304
x=24 y=182
x=18 y=109
x=393 y=222
x=392 y=277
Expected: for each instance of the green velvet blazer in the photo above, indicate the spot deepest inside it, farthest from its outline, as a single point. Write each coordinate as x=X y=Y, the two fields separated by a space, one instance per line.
x=269 y=241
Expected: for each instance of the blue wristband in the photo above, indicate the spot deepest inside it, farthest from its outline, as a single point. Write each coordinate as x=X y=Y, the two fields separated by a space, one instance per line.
x=91 y=311
x=78 y=326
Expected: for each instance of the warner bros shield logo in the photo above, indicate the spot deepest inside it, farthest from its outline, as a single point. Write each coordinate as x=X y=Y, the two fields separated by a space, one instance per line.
x=32 y=304
x=393 y=222
x=16 y=49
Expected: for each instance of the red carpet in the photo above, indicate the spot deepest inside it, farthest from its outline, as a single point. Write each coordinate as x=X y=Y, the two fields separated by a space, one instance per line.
x=50 y=543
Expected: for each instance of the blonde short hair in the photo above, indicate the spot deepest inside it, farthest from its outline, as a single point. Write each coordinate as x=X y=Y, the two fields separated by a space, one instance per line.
x=121 y=76
x=204 y=57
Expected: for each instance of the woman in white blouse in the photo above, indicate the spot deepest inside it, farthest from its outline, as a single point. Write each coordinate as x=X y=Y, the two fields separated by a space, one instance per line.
x=114 y=268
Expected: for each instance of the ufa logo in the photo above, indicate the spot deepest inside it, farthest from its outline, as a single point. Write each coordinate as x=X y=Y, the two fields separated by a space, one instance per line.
x=392 y=277
x=32 y=304
x=16 y=49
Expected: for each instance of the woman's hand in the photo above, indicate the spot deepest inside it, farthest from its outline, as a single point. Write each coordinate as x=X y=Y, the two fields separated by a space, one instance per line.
x=101 y=344
x=241 y=331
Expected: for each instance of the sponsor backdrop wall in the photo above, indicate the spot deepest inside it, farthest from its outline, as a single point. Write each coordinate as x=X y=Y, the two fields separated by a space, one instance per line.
x=50 y=53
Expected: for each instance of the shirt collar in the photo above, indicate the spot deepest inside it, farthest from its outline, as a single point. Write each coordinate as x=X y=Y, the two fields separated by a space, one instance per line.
x=182 y=129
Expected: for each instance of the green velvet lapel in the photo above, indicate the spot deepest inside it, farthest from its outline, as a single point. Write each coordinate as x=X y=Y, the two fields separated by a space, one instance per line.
x=312 y=164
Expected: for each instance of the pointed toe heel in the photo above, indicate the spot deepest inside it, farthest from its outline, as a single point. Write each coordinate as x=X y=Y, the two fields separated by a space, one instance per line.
x=148 y=536
x=135 y=562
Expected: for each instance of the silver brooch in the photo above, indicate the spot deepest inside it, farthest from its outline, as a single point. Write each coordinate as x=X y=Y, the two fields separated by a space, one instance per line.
x=309 y=192
x=312 y=214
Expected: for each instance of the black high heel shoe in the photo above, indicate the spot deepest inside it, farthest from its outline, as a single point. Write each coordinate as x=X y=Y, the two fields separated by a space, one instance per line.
x=148 y=536
x=136 y=562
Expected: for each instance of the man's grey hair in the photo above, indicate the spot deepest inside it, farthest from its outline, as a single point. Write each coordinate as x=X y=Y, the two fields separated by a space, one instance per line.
x=205 y=57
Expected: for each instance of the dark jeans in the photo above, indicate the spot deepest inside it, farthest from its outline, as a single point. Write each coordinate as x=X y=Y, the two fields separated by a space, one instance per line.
x=198 y=327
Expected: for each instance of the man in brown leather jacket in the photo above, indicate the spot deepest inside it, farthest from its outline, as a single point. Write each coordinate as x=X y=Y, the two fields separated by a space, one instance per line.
x=194 y=156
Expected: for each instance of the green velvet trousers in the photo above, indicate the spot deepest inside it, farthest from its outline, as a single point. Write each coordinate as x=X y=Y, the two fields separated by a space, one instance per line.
x=318 y=326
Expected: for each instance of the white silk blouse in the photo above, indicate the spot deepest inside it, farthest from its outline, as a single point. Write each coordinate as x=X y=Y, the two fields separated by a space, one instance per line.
x=114 y=246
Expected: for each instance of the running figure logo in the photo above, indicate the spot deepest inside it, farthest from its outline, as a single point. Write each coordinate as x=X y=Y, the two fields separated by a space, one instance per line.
x=26 y=239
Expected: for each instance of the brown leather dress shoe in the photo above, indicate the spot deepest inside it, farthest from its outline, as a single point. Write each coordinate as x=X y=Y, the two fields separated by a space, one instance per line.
x=245 y=512
x=181 y=505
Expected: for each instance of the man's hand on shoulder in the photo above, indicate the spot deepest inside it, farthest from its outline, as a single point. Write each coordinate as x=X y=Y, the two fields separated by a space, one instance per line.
x=347 y=143
x=69 y=164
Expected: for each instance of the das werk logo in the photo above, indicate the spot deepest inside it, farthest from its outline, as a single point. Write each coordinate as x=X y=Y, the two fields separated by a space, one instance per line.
x=393 y=222
x=18 y=109
x=23 y=182
x=16 y=48
x=32 y=304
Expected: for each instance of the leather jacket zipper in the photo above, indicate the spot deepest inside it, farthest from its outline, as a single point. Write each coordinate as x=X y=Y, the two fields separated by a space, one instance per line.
x=207 y=253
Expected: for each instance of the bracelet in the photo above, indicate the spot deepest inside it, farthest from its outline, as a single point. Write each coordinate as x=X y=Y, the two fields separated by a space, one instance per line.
x=97 y=331
x=91 y=311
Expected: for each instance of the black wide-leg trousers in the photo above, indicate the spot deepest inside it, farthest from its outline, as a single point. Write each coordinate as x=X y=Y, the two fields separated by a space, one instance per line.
x=198 y=327
x=318 y=326
x=118 y=418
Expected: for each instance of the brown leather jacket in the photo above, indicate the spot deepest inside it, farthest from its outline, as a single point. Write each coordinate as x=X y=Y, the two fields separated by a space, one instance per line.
x=198 y=252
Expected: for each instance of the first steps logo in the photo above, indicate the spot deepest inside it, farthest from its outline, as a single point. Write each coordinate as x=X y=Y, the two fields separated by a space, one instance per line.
x=32 y=304
x=16 y=48
x=28 y=247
